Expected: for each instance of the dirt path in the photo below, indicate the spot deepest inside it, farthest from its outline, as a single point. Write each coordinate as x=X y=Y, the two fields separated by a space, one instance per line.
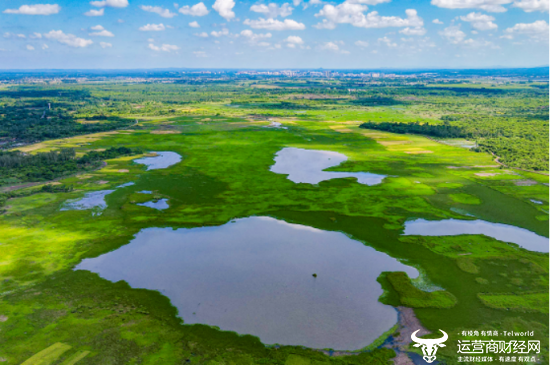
x=408 y=323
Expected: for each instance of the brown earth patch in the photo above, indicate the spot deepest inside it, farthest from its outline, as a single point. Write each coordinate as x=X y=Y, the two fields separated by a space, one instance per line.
x=123 y=170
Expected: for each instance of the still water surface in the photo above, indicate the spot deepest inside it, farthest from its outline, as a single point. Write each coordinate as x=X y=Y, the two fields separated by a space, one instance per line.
x=161 y=161
x=502 y=232
x=255 y=276
x=306 y=166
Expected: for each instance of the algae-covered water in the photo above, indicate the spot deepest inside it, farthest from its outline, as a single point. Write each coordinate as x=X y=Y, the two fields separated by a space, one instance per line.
x=256 y=276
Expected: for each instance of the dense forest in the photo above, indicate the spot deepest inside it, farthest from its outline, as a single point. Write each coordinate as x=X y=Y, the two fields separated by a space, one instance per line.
x=16 y=166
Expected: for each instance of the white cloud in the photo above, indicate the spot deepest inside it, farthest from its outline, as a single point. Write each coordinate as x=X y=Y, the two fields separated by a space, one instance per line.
x=222 y=32
x=100 y=32
x=194 y=25
x=330 y=46
x=30 y=48
x=38 y=9
x=202 y=35
x=199 y=53
x=348 y=13
x=362 y=44
x=165 y=13
x=294 y=39
x=437 y=21
x=68 y=39
x=45 y=46
x=94 y=12
x=224 y=8
x=272 y=10
x=273 y=24
x=480 y=21
x=35 y=36
x=531 y=5
x=163 y=48
x=413 y=31
x=110 y=3
x=537 y=30
x=453 y=34
x=254 y=37
x=494 y=6
x=195 y=10
x=105 y=45
x=13 y=35
x=152 y=28
x=388 y=42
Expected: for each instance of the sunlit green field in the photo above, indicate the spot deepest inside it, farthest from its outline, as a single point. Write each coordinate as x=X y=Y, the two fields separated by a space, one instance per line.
x=224 y=174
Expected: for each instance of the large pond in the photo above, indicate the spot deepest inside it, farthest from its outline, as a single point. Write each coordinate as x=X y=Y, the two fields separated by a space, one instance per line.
x=162 y=160
x=306 y=166
x=255 y=276
x=502 y=232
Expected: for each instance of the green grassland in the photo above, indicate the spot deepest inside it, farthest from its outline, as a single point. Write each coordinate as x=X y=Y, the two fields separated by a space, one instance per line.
x=224 y=174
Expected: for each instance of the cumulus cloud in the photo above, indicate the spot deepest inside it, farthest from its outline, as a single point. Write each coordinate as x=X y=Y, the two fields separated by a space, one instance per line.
x=388 y=42
x=254 y=37
x=222 y=32
x=68 y=39
x=362 y=44
x=35 y=36
x=437 y=21
x=165 y=13
x=195 y=10
x=95 y=12
x=45 y=46
x=272 y=10
x=199 y=53
x=532 y=5
x=480 y=21
x=13 y=35
x=38 y=9
x=330 y=46
x=273 y=24
x=537 y=30
x=348 y=13
x=224 y=8
x=294 y=39
x=453 y=34
x=30 y=48
x=413 y=31
x=105 y=45
x=110 y=3
x=100 y=32
x=152 y=27
x=202 y=35
x=494 y=6
x=194 y=25
x=163 y=48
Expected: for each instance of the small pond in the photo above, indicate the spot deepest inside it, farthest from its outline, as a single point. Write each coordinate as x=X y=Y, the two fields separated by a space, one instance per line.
x=255 y=276
x=161 y=161
x=92 y=200
x=502 y=232
x=306 y=166
x=160 y=204
x=277 y=125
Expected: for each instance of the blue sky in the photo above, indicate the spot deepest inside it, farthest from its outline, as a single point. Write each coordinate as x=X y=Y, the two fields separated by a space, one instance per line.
x=277 y=34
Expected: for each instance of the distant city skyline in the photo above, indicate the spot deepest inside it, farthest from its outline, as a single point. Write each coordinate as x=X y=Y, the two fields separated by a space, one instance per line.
x=350 y=34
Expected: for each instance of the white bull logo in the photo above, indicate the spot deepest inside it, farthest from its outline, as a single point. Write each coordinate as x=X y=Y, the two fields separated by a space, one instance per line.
x=429 y=346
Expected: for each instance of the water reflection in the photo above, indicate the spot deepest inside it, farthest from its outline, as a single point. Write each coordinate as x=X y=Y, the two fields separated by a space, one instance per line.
x=93 y=200
x=306 y=166
x=502 y=232
x=161 y=161
x=255 y=276
x=159 y=204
